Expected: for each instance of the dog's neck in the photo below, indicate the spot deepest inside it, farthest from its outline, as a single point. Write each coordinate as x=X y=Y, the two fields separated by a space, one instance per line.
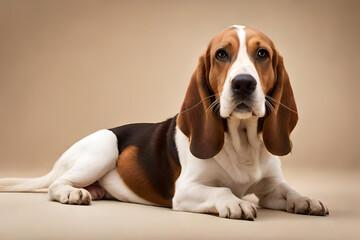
x=242 y=150
x=243 y=133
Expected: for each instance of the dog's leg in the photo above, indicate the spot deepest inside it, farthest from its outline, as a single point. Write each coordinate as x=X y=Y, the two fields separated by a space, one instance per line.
x=116 y=187
x=218 y=200
x=94 y=156
x=275 y=193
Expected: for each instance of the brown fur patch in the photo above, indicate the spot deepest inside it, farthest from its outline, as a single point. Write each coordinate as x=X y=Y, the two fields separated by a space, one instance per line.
x=198 y=122
x=228 y=40
x=265 y=69
x=134 y=177
x=275 y=82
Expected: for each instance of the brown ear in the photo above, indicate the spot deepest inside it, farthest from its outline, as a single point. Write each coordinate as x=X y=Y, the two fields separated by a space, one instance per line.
x=196 y=120
x=280 y=123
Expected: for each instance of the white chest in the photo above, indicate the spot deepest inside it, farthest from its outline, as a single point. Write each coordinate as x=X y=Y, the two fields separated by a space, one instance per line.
x=242 y=158
x=240 y=164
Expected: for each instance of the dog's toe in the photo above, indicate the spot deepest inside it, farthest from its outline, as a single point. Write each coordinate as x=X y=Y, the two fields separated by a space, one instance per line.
x=77 y=196
x=306 y=205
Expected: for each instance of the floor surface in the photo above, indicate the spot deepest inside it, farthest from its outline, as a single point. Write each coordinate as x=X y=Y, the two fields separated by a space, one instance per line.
x=33 y=216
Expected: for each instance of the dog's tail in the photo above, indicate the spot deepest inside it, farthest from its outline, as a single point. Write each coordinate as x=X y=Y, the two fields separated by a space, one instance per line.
x=27 y=184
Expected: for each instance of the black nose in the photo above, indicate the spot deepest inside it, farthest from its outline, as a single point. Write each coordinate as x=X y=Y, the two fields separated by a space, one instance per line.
x=243 y=85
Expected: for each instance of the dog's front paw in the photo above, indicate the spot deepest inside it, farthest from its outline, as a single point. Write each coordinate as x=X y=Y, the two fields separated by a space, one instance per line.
x=237 y=209
x=306 y=205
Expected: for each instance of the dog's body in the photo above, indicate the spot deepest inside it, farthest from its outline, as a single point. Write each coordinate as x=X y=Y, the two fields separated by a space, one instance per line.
x=223 y=145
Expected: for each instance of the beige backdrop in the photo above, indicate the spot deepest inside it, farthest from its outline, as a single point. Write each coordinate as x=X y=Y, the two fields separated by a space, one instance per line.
x=69 y=68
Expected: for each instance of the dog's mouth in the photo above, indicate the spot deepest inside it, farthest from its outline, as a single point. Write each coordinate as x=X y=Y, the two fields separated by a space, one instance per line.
x=242 y=108
x=243 y=111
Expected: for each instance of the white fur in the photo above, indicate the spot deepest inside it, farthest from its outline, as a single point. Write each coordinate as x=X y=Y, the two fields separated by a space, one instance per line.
x=212 y=185
x=91 y=159
x=242 y=167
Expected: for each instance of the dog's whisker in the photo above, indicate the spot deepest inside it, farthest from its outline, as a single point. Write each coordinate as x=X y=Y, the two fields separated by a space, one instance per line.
x=197 y=104
x=281 y=104
x=213 y=105
x=217 y=109
x=269 y=107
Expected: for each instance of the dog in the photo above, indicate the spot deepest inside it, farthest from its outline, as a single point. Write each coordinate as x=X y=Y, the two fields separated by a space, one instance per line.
x=225 y=143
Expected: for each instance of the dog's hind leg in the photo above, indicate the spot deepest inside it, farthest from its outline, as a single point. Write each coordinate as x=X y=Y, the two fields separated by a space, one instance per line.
x=94 y=155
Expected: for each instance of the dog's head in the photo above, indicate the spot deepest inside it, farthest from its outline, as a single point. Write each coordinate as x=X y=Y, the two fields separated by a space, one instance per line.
x=240 y=75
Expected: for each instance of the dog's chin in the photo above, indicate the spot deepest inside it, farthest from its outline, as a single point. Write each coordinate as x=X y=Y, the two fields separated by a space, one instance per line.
x=242 y=111
x=242 y=115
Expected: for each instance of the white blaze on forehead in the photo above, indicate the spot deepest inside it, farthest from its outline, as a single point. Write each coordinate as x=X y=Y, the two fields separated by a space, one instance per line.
x=242 y=65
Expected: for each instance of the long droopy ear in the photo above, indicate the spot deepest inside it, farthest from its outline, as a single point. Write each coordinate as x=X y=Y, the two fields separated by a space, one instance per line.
x=280 y=123
x=196 y=120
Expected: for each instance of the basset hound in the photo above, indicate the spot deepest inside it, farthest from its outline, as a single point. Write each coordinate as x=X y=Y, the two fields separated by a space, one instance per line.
x=235 y=120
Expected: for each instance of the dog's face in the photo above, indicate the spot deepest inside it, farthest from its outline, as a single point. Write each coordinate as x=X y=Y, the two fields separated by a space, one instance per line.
x=242 y=71
x=240 y=75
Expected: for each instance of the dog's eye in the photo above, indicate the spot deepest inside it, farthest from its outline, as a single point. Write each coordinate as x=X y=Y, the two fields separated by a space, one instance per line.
x=222 y=55
x=262 y=54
